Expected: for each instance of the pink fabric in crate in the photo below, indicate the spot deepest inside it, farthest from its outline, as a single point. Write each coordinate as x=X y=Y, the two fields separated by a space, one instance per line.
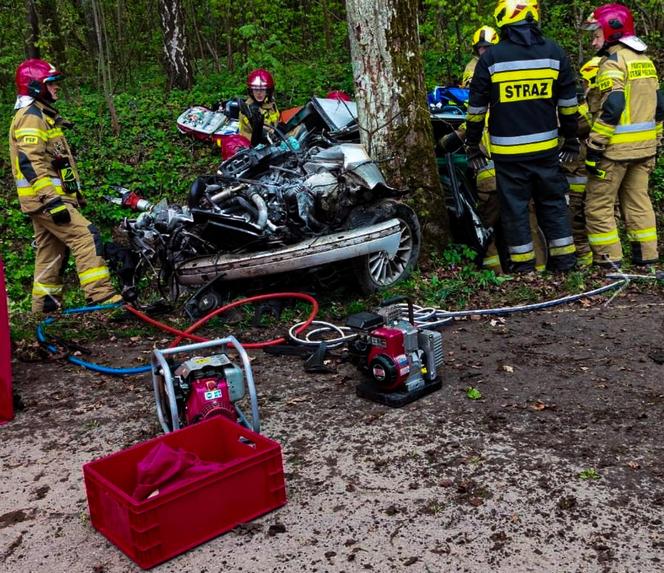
x=165 y=469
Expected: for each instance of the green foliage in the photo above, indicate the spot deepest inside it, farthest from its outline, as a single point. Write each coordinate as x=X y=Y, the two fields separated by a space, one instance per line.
x=455 y=280
x=304 y=45
x=589 y=474
x=657 y=184
x=473 y=393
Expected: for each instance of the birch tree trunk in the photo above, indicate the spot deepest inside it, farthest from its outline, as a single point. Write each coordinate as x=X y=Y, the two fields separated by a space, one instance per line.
x=178 y=66
x=393 y=115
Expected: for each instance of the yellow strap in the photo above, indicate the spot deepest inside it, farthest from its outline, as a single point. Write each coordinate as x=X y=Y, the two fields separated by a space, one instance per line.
x=41 y=134
x=611 y=74
x=93 y=274
x=41 y=289
x=475 y=117
x=522 y=257
x=42 y=182
x=491 y=261
x=603 y=129
x=524 y=148
x=585 y=260
x=635 y=137
x=604 y=238
x=568 y=110
x=541 y=74
x=643 y=235
x=558 y=251
x=55 y=132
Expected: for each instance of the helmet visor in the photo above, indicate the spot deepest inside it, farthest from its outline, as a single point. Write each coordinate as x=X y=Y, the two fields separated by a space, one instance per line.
x=54 y=77
x=591 y=24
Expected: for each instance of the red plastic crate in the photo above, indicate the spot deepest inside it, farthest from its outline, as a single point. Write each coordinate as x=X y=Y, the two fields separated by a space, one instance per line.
x=156 y=529
x=6 y=399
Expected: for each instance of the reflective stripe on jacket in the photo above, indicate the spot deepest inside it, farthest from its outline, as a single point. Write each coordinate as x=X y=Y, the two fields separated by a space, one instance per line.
x=35 y=141
x=626 y=127
x=530 y=90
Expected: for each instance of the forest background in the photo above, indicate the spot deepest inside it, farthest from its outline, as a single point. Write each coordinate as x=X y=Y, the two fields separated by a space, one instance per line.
x=122 y=97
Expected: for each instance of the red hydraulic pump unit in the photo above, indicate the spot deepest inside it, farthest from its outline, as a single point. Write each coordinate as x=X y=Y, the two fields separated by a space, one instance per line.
x=6 y=404
x=402 y=361
x=202 y=386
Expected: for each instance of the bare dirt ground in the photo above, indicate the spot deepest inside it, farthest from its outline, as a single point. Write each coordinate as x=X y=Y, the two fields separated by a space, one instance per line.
x=444 y=484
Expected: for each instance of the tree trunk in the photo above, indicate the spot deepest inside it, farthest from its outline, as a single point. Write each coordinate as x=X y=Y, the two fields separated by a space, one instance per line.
x=48 y=16
x=394 y=120
x=31 y=42
x=104 y=63
x=228 y=32
x=87 y=23
x=327 y=34
x=178 y=66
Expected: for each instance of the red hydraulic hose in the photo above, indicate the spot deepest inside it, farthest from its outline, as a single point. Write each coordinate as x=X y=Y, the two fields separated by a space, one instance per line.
x=258 y=298
x=163 y=326
x=188 y=333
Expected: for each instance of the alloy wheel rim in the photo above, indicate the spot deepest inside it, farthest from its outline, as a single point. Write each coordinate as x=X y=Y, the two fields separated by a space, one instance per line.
x=386 y=270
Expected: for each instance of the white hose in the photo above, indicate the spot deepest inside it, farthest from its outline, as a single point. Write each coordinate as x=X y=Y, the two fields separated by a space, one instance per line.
x=345 y=334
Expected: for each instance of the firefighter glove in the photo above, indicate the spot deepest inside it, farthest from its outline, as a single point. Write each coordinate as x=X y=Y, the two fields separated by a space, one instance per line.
x=569 y=151
x=450 y=143
x=593 y=157
x=476 y=159
x=58 y=212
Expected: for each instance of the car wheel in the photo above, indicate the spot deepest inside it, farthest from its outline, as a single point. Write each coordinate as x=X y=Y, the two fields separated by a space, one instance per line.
x=377 y=271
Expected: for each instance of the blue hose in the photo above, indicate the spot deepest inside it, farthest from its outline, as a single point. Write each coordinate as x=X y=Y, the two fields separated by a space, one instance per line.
x=437 y=314
x=41 y=337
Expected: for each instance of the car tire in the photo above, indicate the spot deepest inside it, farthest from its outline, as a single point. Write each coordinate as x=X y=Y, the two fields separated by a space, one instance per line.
x=377 y=271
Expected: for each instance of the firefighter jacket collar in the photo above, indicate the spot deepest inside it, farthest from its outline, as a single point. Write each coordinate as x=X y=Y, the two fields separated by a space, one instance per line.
x=23 y=101
x=525 y=34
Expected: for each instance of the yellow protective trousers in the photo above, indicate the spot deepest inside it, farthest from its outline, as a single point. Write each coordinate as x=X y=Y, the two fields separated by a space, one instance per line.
x=577 y=203
x=626 y=181
x=54 y=242
x=489 y=211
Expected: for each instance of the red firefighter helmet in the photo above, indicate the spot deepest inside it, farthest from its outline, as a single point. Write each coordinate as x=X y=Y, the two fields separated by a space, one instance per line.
x=615 y=20
x=339 y=95
x=33 y=75
x=260 y=79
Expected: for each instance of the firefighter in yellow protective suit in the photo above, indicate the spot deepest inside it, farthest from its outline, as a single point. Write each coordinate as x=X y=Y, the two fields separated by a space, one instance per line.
x=483 y=38
x=259 y=111
x=575 y=171
x=485 y=178
x=525 y=87
x=49 y=192
x=623 y=140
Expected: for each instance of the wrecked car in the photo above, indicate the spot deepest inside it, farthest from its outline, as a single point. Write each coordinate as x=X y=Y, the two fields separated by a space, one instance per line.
x=311 y=199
